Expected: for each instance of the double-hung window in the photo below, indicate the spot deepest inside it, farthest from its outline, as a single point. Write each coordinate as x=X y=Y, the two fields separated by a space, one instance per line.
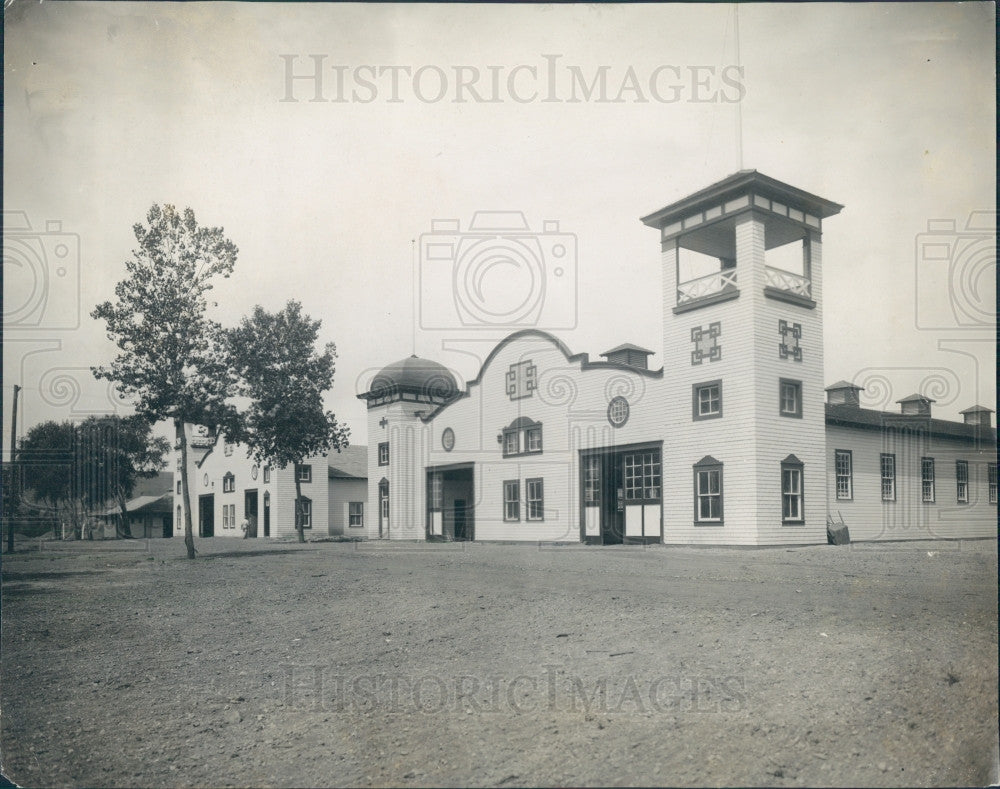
x=844 y=470
x=791 y=490
x=512 y=500
x=962 y=481
x=708 y=491
x=887 y=467
x=927 y=480
x=790 y=398
x=534 y=499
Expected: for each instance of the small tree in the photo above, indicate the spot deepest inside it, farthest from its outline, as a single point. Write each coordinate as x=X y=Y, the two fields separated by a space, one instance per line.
x=274 y=359
x=169 y=355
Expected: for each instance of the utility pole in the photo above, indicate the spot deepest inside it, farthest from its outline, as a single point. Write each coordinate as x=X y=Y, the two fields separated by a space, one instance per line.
x=12 y=497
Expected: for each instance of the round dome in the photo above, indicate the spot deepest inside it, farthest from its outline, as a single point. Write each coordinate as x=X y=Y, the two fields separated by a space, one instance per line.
x=416 y=376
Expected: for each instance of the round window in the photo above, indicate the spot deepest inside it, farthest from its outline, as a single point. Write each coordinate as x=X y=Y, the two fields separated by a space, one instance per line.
x=253 y=472
x=618 y=410
x=448 y=439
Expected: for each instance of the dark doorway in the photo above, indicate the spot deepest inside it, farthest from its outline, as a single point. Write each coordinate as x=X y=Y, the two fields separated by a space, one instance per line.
x=250 y=511
x=206 y=516
x=267 y=513
x=168 y=526
x=613 y=506
x=460 y=525
x=450 y=513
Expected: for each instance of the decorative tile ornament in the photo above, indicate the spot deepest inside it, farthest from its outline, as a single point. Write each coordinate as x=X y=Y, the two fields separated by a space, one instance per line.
x=522 y=380
x=448 y=439
x=618 y=411
x=789 y=347
x=706 y=343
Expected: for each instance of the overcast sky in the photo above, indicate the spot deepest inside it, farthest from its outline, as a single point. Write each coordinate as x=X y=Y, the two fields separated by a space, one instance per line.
x=436 y=112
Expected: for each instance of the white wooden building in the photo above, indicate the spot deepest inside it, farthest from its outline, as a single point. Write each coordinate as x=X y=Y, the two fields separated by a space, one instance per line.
x=730 y=443
x=226 y=486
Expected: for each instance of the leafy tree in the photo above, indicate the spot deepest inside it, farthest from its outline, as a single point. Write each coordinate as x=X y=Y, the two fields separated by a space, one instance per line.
x=169 y=357
x=78 y=468
x=274 y=358
x=45 y=462
x=114 y=453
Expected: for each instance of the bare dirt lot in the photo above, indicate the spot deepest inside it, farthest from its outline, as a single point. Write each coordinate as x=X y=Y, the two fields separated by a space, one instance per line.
x=485 y=665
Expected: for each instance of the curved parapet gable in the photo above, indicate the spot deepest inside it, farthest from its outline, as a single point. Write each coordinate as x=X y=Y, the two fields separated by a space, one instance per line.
x=582 y=359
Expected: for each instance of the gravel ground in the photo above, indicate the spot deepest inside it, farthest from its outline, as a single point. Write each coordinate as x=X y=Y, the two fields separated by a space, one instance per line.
x=486 y=665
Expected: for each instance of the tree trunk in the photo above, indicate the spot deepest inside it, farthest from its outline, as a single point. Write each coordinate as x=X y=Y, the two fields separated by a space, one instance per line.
x=298 y=504
x=188 y=531
x=122 y=528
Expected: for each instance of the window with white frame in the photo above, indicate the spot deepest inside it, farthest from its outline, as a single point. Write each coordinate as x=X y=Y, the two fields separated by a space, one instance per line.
x=706 y=400
x=533 y=439
x=962 y=481
x=306 y=510
x=790 y=398
x=303 y=472
x=887 y=464
x=991 y=482
x=228 y=483
x=383 y=453
x=791 y=490
x=512 y=500
x=356 y=513
x=844 y=470
x=927 y=480
x=534 y=499
x=267 y=474
x=708 y=491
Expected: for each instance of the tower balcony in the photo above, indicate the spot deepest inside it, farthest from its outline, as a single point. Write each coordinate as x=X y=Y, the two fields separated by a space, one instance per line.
x=786 y=286
x=701 y=291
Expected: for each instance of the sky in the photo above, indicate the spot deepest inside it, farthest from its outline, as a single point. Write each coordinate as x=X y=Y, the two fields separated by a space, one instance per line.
x=346 y=194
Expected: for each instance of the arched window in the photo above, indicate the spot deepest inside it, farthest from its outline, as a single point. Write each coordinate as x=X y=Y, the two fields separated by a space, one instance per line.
x=228 y=482
x=306 y=509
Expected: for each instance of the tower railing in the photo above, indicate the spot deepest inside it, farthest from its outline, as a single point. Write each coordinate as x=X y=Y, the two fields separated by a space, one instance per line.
x=709 y=285
x=786 y=281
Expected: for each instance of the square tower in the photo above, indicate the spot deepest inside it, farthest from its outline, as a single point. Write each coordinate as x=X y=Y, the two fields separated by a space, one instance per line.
x=744 y=461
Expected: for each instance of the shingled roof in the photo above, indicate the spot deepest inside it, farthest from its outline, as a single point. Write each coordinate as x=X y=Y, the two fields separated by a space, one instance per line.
x=852 y=416
x=350 y=463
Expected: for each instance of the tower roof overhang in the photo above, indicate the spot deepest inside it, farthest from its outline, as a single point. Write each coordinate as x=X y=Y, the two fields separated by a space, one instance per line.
x=739 y=184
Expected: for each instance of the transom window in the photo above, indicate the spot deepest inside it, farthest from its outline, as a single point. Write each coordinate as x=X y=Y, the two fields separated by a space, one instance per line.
x=512 y=500
x=708 y=491
x=790 y=398
x=927 y=480
x=522 y=437
x=642 y=476
x=888 y=469
x=534 y=499
x=707 y=400
x=791 y=490
x=303 y=472
x=962 y=481
x=844 y=469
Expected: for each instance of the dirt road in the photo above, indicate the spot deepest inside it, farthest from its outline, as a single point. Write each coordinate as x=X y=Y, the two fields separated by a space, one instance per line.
x=488 y=665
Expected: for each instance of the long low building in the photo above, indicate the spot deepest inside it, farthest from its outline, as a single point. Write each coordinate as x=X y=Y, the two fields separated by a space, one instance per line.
x=736 y=440
x=226 y=486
